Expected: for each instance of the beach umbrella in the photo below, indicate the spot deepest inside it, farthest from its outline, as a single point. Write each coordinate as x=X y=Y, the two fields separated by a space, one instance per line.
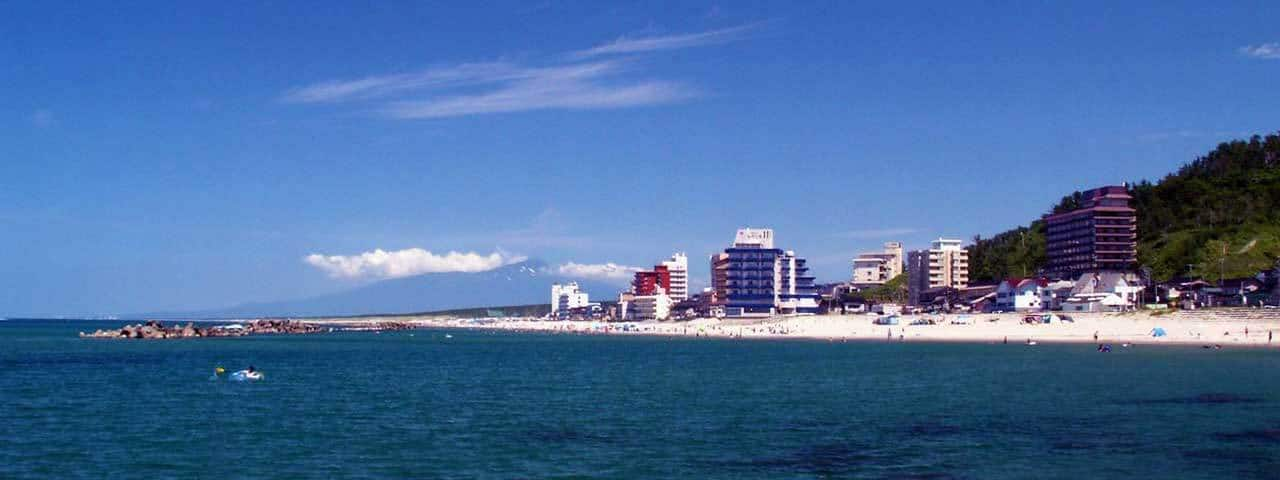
x=1157 y=332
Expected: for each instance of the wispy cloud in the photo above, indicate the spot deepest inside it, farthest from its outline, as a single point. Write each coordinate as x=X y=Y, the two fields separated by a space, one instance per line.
x=402 y=263
x=547 y=229
x=600 y=271
x=573 y=87
x=467 y=74
x=625 y=45
x=577 y=81
x=1269 y=51
x=876 y=233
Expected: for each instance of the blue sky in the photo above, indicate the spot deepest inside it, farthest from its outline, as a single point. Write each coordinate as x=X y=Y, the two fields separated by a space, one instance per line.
x=158 y=156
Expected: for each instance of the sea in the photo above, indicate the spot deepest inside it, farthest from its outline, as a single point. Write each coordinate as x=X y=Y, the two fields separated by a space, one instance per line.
x=485 y=404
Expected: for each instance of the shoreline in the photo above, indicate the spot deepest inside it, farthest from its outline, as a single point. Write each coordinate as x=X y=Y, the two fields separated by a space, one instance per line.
x=1237 y=327
x=1208 y=328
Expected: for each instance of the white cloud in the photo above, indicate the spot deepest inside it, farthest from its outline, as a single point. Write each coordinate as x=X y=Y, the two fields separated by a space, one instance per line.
x=1269 y=51
x=602 y=271
x=668 y=42
x=877 y=233
x=410 y=261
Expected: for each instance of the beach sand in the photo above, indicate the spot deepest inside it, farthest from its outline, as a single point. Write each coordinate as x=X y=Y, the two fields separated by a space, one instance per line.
x=1225 y=327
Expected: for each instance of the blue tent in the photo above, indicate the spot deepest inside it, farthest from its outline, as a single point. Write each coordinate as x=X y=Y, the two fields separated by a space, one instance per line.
x=1157 y=332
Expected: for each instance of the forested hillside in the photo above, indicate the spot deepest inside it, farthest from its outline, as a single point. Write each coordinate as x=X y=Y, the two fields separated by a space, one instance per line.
x=1216 y=216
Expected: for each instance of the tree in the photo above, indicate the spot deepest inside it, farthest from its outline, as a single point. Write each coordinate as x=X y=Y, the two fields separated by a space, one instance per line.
x=892 y=291
x=1230 y=195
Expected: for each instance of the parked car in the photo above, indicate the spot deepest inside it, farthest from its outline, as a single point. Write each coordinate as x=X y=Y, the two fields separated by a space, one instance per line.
x=887 y=320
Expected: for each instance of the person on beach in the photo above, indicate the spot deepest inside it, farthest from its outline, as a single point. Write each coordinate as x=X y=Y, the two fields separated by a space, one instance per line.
x=1095 y=335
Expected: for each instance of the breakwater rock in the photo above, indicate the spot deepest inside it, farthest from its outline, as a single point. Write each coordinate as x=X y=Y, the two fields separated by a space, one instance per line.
x=380 y=326
x=153 y=329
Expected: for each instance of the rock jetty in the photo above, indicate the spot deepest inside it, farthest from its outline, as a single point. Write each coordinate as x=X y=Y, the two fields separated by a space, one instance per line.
x=380 y=326
x=153 y=329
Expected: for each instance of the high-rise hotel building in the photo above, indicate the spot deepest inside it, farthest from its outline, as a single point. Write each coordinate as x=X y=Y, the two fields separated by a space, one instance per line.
x=1100 y=235
x=760 y=280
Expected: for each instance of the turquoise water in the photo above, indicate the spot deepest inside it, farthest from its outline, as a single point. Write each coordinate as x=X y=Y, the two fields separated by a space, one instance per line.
x=500 y=405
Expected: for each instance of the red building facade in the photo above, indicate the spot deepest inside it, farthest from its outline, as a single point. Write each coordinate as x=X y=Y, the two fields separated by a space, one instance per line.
x=647 y=282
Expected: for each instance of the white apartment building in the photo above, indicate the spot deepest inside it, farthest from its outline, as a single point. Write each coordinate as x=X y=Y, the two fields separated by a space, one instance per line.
x=566 y=297
x=795 y=295
x=678 y=266
x=876 y=268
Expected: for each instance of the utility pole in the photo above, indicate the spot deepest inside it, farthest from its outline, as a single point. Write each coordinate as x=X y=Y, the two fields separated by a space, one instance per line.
x=1222 y=264
x=1024 y=252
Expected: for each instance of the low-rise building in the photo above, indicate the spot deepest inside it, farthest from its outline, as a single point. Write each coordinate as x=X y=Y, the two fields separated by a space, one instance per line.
x=876 y=268
x=1052 y=295
x=593 y=311
x=1021 y=295
x=650 y=307
x=1104 y=292
x=566 y=297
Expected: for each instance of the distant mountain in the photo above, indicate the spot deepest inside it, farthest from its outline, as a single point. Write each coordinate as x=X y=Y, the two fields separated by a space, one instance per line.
x=527 y=282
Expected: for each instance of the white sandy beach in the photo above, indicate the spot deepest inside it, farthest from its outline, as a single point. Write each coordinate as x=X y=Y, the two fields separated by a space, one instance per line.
x=1226 y=327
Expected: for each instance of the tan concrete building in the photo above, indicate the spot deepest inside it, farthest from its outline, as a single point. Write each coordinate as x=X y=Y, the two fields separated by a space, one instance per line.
x=875 y=268
x=944 y=264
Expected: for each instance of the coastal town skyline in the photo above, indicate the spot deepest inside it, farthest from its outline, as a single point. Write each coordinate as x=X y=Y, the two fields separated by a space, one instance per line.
x=270 y=153
x=640 y=240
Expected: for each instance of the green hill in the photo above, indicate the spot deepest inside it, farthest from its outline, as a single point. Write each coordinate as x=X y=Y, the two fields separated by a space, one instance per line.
x=1218 y=216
